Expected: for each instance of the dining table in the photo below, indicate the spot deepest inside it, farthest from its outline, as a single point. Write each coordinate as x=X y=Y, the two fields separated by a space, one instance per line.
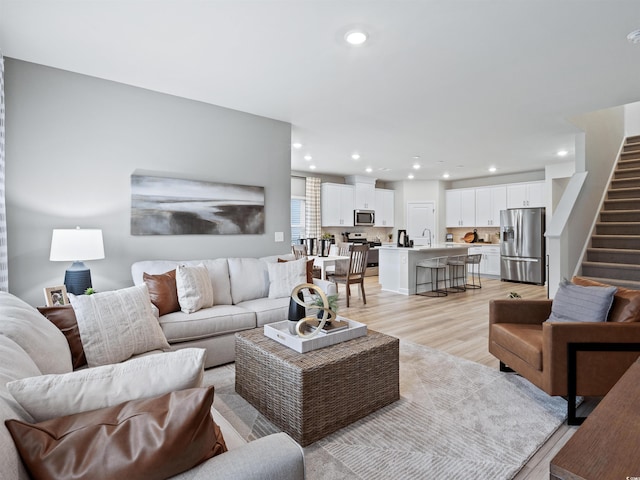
x=324 y=262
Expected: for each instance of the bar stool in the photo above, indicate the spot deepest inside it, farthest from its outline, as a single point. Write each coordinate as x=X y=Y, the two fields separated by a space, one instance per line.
x=473 y=268
x=457 y=272
x=436 y=266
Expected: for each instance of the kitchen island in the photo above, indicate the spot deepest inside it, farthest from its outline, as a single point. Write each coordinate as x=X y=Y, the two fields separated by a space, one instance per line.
x=397 y=265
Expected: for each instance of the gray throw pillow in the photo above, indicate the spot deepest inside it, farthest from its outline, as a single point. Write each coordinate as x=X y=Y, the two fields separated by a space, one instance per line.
x=575 y=303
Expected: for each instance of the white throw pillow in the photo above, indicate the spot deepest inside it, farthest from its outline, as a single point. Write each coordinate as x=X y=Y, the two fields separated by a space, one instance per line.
x=285 y=276
x=194 y=288
x=51 y=396
x=40 y=338
x=249 y=279
x=116 y=325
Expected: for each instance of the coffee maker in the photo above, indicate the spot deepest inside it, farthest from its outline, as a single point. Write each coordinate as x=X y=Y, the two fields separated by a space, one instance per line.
x=403 y=238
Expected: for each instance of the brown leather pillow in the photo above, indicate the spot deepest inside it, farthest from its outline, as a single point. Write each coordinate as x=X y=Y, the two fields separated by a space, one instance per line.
x=64 y=318
x=152 y=438
x=309 y=268
x=163 y=291
x=626 y=302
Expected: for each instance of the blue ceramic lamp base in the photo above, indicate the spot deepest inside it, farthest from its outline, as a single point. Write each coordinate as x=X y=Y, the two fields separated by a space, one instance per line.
x=77 y=278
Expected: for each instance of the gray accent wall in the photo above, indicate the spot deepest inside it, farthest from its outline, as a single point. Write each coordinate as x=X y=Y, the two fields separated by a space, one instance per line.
x=72 y=143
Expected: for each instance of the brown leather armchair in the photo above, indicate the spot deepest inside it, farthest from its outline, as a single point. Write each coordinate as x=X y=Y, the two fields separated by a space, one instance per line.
x=521 y=339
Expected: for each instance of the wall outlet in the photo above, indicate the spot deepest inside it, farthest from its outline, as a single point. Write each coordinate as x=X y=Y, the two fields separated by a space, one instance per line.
x=279 y=237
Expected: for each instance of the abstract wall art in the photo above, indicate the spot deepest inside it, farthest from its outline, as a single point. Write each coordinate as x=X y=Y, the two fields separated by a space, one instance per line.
x=172 y=206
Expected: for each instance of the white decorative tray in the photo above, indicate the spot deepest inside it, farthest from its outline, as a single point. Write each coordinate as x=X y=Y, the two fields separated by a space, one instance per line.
x=279 y=331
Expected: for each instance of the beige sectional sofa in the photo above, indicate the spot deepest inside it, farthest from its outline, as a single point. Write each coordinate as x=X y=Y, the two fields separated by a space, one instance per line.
x=241 y=302
x=32 y=348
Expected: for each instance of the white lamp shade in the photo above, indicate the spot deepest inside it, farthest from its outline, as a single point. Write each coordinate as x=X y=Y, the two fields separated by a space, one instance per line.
x=76 y=245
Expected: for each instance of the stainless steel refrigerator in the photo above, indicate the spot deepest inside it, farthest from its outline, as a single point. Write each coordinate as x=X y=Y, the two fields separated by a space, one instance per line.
x=522 y=247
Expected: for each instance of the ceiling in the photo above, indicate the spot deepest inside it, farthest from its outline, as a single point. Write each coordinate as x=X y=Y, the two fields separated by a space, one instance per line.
x=463 y=85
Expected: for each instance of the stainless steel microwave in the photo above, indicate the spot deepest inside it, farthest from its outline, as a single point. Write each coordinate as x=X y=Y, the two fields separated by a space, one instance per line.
x=364 y=217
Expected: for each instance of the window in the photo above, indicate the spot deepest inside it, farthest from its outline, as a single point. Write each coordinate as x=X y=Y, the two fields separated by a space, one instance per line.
x=297 y=219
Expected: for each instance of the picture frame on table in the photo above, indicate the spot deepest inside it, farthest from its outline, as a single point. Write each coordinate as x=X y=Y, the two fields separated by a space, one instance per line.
x=56 y=296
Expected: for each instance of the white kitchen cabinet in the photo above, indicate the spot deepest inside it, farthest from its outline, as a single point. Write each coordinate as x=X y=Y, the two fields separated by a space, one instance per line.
x=491 y=260
x=336 y=201
x=529 y=194
x=385 y=207
x=489 y=202
x=461 y=207
x=490 y=263
x=365 y=196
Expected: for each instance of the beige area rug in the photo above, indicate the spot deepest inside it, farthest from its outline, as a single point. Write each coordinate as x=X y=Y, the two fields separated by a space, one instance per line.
x=455 y=419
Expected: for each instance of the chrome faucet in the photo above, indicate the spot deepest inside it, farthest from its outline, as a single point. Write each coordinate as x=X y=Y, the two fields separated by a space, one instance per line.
x=427 y=230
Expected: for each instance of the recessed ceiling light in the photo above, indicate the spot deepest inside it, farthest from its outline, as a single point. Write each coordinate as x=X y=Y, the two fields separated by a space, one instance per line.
x=492 y=169
x=308 y=157
x=634 y=37
x=562 y=153
x=445 y=175
x=312 y=167
x=296 y=145
x=410 y=176
x=355 y=156
x=355 y=37
x=416 y=166
x=368 y=169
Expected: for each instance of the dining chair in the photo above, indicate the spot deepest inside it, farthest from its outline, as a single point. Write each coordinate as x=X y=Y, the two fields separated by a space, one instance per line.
x=299 y=251
x=354 y=273
x=338 y=250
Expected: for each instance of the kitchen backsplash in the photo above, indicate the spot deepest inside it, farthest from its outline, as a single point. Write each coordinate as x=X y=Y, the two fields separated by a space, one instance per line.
x=484 y=233
x=372 y=233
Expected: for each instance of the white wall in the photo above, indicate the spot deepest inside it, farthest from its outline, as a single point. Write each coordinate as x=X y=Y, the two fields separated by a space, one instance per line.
x=632 y=119
x=596 y=154
x=556 y=180
x=72 y=143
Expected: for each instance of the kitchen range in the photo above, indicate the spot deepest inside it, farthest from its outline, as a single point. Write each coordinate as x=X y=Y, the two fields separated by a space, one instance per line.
x=361 y=238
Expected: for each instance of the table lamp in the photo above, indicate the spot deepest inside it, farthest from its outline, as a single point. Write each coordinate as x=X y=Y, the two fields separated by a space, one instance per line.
x=76 y=245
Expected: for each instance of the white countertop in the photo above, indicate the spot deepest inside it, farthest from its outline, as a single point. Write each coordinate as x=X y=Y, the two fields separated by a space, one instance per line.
x=419 y=248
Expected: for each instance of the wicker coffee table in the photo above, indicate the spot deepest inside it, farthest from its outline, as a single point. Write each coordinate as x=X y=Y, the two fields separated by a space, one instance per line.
x=310 y=395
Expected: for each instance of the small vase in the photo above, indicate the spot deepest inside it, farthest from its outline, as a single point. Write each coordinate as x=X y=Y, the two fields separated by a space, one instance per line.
x=296 y=313
x=324 y=247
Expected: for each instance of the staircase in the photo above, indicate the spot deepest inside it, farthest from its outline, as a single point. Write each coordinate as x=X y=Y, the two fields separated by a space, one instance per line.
x=614 y=255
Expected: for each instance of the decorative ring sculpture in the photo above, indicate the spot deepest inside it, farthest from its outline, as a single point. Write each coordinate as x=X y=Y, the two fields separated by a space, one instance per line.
x=327 y=313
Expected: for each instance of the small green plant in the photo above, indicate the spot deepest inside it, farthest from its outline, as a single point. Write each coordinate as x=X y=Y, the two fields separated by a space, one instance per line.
x=89 y=291
x=331 y=299
x=326 y=236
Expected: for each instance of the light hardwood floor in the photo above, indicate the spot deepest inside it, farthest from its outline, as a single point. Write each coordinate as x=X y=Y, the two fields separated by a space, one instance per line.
x=457 y=324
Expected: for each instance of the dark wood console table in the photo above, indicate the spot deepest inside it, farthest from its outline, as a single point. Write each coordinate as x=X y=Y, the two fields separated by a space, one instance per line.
x=607 y=445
